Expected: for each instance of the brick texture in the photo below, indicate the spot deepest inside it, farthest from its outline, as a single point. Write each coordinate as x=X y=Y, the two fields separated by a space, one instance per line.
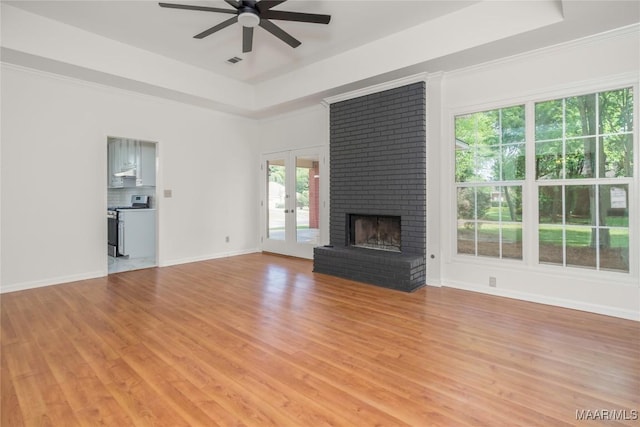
x=378 y=167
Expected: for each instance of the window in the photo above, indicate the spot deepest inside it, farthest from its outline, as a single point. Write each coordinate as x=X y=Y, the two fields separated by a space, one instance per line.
x=490 y=170
x=582 y=173
x=584 y=169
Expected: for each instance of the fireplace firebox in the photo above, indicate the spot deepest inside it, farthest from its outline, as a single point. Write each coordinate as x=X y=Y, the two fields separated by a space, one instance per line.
x=380 y=232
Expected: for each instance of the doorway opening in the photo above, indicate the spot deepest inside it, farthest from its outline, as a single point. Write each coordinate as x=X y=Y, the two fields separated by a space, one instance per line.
x=131 y=204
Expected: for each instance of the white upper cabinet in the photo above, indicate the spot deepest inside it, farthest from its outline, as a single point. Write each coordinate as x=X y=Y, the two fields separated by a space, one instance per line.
x=147 y=165
x=131 y=163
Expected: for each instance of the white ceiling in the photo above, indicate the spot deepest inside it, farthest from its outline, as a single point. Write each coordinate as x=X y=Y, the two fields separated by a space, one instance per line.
x=139 y=46
x=169 y=32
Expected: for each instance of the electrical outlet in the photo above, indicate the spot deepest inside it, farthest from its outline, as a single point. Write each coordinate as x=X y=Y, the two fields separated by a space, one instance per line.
x=492 y=281
x=226 y=239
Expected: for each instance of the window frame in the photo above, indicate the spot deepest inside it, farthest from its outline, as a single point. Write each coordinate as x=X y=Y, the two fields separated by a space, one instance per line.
x=531 y=185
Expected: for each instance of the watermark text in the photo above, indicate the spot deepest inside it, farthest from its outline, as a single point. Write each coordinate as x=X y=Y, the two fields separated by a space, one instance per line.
x=607 y=414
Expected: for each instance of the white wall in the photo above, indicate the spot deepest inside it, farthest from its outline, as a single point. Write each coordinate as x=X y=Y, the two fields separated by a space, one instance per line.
x=54 y=196
x=304 y=128
x=584 y=66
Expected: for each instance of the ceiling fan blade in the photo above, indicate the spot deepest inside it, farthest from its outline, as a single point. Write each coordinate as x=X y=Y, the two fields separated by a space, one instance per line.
x=296 y=16
x=247 y=39
x=202 y=8
x=233 y=3
x=268 y=4
x=279 y=33
x=218 y=27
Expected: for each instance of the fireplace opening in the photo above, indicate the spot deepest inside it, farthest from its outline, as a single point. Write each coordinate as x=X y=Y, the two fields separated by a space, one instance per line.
x=381 y=232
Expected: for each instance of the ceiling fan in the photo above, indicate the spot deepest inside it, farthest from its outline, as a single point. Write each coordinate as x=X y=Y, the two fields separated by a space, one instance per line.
x=250 y=14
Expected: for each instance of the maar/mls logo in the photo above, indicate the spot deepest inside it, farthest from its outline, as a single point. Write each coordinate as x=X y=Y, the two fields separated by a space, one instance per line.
x=607 y=414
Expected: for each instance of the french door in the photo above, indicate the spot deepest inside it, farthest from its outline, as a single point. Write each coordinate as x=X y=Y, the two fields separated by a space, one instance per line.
x=291 y=202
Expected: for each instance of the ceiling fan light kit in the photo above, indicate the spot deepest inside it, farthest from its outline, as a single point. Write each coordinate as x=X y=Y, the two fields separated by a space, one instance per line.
x=250 y=14
x=248 y=19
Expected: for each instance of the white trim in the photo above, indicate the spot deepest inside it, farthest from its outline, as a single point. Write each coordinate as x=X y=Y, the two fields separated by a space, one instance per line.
x=52 y=281
x=557 y=302
x=392 y=84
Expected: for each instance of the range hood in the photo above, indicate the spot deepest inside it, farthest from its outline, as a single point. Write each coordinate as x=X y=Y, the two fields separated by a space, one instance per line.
x=126 y=173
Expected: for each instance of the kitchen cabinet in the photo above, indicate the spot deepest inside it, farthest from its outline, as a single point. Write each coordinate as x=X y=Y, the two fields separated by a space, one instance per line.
x=147 y=165
x=138 y=232
x=131 y=163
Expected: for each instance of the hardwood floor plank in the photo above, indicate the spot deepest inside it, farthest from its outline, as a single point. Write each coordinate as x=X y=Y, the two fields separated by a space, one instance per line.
x=259 y=340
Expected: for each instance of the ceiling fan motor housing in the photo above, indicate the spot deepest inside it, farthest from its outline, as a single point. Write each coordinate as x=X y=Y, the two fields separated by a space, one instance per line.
x=248 y=17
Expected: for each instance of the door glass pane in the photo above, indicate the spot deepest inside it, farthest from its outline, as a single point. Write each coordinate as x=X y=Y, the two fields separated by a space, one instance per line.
x=307 y=199
x=276 y=198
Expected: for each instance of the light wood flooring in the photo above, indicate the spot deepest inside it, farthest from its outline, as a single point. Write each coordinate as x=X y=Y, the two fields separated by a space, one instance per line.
x=260 y=340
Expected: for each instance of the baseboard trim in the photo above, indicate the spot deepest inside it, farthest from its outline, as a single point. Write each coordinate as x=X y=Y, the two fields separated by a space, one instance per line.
x=540 y=299
x=51 y=281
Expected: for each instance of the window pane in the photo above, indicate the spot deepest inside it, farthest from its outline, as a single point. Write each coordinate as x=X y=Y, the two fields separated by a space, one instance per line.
x=548 y=120
x=614 y=205
x=488 y=163
x=550 y=229
x=549 y=160
x=580 y=250
x=512 y=204
x=511 y=227
x=616 y=158
x=551 y=244
x=550 y=204
x=465 y=165
x=616 y=111
x=512 y=241
x=513 y=162
x=488 y=127
x=466 y=224
x=466 y=237
x=580 y=116
x=466 y=129
x=483 y=203
x=513 y=124
x=580 y=158
x=615 y=256
x=466 y=203
x=489 y=238
x=578 y=202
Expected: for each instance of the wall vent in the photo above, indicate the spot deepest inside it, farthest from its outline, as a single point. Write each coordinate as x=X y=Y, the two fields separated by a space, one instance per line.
x=234 y=60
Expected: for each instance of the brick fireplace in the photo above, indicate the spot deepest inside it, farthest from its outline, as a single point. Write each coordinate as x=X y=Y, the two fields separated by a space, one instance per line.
x=377 y=218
